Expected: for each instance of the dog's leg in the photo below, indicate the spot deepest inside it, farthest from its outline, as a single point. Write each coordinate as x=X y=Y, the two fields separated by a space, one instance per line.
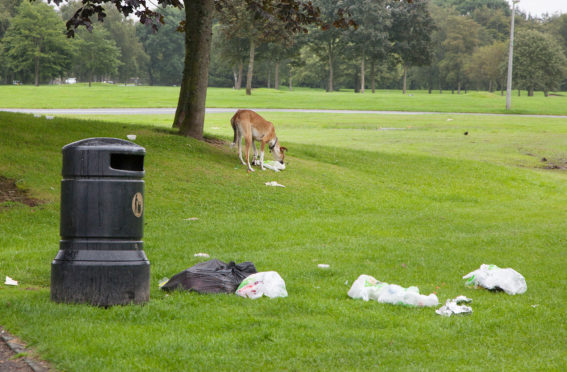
x=255 y=159
x=262 y=146
x=247 y=143
x=239 y=142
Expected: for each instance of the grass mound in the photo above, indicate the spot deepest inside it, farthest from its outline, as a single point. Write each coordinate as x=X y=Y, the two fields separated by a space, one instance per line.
x=405 y=215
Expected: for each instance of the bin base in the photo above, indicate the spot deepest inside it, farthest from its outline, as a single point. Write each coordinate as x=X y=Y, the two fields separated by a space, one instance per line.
x=100 y=283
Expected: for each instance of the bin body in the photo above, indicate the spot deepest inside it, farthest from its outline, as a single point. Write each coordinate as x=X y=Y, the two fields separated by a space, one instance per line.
x=101 y=259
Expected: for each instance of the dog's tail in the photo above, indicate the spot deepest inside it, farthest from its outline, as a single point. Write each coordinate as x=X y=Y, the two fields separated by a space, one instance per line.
x=233 y=123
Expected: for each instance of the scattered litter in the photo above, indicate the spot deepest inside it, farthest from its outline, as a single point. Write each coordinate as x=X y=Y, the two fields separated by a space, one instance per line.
x=49 y=117
x=10 y=281
x=212 y=276
x=449 y=119
x=323 y=266
x=191 y=219
x=274 y=165
x=36 y=115
x=453 y=307
x=274 y=183
x=215 y=128
x=162 y=282
x=367 y=288
x=494 y=278
x=201 y=255
x=131 y=137
x=534 y=306
x=268 y=283
x=346 y=283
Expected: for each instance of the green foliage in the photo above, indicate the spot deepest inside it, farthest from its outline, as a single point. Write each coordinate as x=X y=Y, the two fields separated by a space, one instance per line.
x=408 y=206
x=34 y=46
x=538 y=61
x=97 y=54
x=165 y=49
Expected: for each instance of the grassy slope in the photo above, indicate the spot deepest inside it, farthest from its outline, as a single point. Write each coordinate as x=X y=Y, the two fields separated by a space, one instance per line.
x=102 y=95
x=417 y=214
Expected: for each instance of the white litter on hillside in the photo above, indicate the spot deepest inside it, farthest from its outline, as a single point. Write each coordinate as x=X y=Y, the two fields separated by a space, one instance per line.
x=274 y=183
x=367 y=288
x=268 y=283
x=453 y=307
x=494 y=278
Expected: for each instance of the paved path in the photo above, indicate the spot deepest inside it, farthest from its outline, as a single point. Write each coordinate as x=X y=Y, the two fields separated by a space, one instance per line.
x=171 y=111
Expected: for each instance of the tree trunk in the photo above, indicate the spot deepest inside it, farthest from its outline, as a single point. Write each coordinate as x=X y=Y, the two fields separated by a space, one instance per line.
x=330 y=67
x=239 y=81
x=277 y=77
x=190 y=114
x=269 y=76
x=36 y=71
x=90 y=78
x=405 y=77
x=362 y=82
x=290 y=81
x=519 y=92
x=372 y=77
x=250 y=68
x=546 y=92
x=531 y=92
x=234 y=77
x=458 y=87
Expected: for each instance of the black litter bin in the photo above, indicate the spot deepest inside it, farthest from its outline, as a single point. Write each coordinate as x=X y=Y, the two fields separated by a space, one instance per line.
x=101 y=259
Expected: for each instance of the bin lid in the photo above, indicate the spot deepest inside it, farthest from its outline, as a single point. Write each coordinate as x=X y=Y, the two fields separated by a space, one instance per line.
x=102 y=156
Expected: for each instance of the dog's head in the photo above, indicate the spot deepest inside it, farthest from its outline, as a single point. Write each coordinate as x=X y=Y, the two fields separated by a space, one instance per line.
x=278 y=151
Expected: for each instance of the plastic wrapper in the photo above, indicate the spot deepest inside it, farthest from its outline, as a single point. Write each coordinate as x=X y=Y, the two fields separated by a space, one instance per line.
x=493 y=277
x=454 y=306
x=268 y=283
x=212 y=276
x=367 y=288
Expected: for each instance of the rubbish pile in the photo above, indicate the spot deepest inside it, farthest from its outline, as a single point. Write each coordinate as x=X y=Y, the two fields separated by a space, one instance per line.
x=367 y=288
x=494 y=278
x=215 y=276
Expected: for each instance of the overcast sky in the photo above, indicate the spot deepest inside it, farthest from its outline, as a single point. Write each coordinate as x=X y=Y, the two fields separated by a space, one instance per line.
x=539 y=7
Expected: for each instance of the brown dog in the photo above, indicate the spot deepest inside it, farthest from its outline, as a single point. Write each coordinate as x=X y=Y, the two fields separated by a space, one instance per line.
x=253 y=127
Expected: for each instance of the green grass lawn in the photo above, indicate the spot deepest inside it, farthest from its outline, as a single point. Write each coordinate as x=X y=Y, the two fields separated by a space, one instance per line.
x=104 y=95
x=420 y=205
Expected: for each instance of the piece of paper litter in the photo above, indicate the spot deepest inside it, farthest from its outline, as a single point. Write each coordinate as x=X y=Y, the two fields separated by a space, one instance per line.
x=10 y=281
x=274 y=183
x=201 y=255
x=453 y=307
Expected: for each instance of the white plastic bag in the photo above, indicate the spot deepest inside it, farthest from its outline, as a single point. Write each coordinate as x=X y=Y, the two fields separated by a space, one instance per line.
x=268 y=283
x=367 y=288
x=453 y=307
x=493 y=277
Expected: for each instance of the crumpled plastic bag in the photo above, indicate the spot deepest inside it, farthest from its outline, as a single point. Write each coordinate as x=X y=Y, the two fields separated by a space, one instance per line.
x=212 y=276
x=493 y=277
x=453 y=307
x=367 y=288
x=267 y=283
x=276 y=166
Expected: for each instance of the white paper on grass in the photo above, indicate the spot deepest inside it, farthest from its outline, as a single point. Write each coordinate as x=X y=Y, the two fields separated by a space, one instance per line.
x=494 y=277
x=367 y=288
x=454 y=306
x=274 y=183
x=10 y=281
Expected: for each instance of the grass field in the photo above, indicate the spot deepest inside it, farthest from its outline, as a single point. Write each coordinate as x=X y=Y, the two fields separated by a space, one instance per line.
x=408 y=200
x=104 y=95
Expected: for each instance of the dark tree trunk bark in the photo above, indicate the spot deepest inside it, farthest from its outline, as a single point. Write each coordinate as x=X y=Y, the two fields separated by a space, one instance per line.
x=362 y=82
x=239 y=81
x=277 y=77
x=290 y=81
x=330 y=67
x=37 y=71
x=372 y=77
x=190 y=114
x=250 y=68
x=405 y=78
x=269 y=77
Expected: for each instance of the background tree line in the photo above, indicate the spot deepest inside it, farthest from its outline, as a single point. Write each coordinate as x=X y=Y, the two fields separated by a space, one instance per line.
x=429 y=44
